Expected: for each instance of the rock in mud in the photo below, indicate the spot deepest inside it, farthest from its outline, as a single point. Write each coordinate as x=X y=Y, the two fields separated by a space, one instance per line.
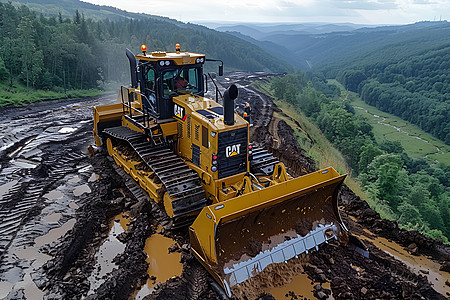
x=445 y=267
x=173 y=248
x=322 y=295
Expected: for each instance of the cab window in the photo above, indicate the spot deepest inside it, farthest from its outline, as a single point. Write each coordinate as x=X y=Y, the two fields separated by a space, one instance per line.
x=150 y=80
x=181 y=81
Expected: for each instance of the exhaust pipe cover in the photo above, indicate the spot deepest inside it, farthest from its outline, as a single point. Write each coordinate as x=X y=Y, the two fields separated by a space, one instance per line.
x=228 y=102
x=133 y=68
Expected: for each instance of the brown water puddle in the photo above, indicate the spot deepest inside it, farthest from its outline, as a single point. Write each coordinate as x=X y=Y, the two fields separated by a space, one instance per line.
x=93 y=177
x=32 y=254
x=301 y=285
x=54 y=234
x=75 y=179
x=6 y=187
x=123 y=219
x=416 y=263
x=81 y=189
x=357 y=269
x=162 y=265
x=110 y=248
x=36 y=260
x=73 y=205
x=53 y=217
x=31 y=291
x=5 y=288
x=54 y=195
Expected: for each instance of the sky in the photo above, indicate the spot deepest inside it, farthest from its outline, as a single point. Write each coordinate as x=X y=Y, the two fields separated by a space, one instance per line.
x=290 y=11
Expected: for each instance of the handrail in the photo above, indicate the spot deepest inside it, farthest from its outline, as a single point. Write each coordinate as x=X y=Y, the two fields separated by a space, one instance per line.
x=145 y=112
x=217 y=88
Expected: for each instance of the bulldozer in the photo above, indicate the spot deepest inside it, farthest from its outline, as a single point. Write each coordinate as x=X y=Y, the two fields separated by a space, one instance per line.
x=192 y=156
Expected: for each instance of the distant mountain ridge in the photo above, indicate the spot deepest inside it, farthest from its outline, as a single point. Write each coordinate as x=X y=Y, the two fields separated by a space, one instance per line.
x=260 y=31
x=311 y=50
x=237 y=54
x=67 y=8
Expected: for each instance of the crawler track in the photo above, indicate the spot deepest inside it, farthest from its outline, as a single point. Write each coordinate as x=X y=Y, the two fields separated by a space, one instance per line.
x=262 y=161
x=179 y=181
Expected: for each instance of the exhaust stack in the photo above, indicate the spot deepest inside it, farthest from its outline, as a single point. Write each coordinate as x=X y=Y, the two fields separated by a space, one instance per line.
x=133 y=68
x=228 y=104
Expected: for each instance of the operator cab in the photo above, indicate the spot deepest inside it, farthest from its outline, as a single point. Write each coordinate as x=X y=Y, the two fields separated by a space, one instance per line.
x=162 y=75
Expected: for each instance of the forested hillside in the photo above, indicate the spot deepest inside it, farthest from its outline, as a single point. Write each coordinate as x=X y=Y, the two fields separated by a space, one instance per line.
x=57 y=53
x=408 y=190
x=416 y=88
x=68 y=8
x=406 y=73
x=403 y=70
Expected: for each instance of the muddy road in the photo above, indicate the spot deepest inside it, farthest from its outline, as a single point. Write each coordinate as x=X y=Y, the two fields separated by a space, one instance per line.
x=73 y=226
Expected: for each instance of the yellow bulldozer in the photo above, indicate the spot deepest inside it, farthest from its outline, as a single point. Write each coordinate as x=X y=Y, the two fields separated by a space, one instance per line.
x=193 y=157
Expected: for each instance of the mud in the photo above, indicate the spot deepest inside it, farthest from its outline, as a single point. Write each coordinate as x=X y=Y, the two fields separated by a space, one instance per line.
x=57 y=204
x=277 y=280
x=380 y=276
x=163 y=263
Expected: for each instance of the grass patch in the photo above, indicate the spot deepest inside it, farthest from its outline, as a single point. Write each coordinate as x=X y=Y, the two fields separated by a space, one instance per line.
x=386 y=127
x=17 y=95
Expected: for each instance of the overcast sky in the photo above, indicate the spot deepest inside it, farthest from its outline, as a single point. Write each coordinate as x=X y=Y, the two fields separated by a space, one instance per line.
x=293 y=11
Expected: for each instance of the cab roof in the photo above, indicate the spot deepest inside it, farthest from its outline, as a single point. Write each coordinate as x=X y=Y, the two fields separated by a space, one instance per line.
x=180 y=58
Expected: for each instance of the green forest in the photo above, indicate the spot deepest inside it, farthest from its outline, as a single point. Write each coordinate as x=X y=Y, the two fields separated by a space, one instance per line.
x=404 y=73
x=59 y=54
x=408 y=190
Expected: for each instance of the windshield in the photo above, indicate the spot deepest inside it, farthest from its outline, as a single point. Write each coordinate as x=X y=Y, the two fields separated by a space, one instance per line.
x=181 y=81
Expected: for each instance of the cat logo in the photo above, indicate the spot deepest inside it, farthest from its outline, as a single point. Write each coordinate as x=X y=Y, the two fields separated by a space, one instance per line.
x=233 y=150
x=178 y=111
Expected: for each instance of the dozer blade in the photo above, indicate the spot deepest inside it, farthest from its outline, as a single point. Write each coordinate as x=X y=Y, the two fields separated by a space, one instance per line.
x=238 y=238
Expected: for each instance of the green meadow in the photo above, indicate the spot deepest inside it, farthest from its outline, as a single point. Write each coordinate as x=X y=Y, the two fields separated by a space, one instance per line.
x=416 y=142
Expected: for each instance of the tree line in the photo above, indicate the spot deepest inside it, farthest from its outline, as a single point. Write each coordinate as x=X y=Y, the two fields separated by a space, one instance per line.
x=56 y=53
x=408 y=190
x=416 y=88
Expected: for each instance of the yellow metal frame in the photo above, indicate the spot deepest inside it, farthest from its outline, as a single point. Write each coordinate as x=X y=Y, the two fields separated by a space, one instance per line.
x=209 y=218
x=105 y=113
x=180 y=58
x=155 y=191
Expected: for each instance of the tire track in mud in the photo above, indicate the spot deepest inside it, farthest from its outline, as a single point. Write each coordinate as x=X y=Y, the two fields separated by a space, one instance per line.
x=40 y=146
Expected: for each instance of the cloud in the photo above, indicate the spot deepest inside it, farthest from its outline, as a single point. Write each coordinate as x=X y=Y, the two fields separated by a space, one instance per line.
x=298 y=11
x=426 y=2
x=364 y=4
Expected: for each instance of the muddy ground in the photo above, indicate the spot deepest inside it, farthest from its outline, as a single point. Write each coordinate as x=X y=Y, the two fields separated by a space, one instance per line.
x=58 y=204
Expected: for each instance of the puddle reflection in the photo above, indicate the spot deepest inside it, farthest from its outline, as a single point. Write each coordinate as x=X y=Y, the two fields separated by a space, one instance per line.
x=415 y=263
x=162 y=264
x=110 y=248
